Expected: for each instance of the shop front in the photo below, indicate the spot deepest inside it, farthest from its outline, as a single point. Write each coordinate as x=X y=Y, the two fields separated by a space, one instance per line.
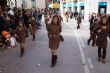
x=102 y=7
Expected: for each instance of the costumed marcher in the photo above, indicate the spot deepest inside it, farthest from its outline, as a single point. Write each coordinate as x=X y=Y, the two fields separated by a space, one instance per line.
x=33 y=27
x=101 y=42
x=21 y=36
x=54 y=30
x=93 y=32
x=78 y=21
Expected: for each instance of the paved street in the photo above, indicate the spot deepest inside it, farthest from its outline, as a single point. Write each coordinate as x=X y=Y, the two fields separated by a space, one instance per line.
x=74 y=55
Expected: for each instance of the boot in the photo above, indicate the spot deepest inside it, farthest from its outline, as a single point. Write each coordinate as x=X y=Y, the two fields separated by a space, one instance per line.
x=54 y=60
x=22 y=52
x=88 y=41
x=93 y=44
x=103 y=61
x=77 y=27
x=33 y=38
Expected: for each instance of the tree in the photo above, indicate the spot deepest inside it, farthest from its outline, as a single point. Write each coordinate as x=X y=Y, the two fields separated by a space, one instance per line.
x=3 y=3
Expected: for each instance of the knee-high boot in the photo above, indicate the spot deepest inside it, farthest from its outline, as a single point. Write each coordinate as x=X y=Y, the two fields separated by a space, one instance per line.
x=22 y=52
x=33 y=37
x=54 y=60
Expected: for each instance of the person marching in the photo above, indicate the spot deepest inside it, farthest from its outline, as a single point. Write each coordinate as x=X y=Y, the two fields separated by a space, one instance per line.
x=21 y=36
x=78 y=21
x=21 y=33
x=93 y=32
x=67 y=16
x=33 y=27
x=54 y=29
x=103 y=33
x=46 y=20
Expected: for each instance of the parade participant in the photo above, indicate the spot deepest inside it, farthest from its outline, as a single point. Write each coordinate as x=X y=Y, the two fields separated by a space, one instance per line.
x=21 y=35
x=109 y=19
x=98 y=17
x=93 y=32
x=67 y=16
x=91 y=19
x=26 y=18
x=101 y=42
x=78 y=21
x=75 y=14
x=7 y=21
x=54 y=29
x=1 y=21
x=71 y=15
x=33 y=27
x=47 y=19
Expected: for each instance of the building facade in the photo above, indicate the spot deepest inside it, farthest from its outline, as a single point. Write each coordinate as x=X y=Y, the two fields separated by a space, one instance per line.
x=27 y=3
x=86 y=6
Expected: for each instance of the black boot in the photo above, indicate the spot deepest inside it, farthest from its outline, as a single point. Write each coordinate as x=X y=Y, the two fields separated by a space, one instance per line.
x=33 y=37
x=22 y=52
x=93 y=44
x=99 y=54
x=88 y=41
x=54 y=60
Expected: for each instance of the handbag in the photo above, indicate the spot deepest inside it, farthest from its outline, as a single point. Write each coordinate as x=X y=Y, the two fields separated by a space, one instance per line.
x=61 y=38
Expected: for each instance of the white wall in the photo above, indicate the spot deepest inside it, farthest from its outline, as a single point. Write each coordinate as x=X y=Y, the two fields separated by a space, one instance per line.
x=29 y=4
x=93 y=6
x=108 y=8
x=40 y=3
x=19 y=2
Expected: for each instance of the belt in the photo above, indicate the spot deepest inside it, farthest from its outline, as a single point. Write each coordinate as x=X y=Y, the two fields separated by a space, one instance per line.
x=54 y=35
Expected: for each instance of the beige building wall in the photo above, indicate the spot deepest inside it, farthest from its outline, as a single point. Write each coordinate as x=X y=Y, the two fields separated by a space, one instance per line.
x=93 y=6
x=40 y=4
x=19 y=3
x=29 y=4
x=108 y=7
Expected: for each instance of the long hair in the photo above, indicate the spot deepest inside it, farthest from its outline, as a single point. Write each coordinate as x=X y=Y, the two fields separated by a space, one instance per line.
x=56 y=16
x=104 y=16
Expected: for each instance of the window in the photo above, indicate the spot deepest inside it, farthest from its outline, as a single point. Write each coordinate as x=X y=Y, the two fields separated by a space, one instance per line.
x=33 y=3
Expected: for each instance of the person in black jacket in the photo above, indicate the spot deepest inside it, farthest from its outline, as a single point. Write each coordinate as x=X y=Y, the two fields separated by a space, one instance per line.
x=109 y=19
x=101 y=41
x=1 y=21
x=91 y=20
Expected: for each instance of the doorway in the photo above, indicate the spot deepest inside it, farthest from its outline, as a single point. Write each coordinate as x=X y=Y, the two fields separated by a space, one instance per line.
x=102 y=7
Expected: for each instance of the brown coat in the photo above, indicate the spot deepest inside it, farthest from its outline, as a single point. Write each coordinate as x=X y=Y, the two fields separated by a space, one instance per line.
x=78 y=20
x=93 y=29
x=54 y=35
x=46 y=21
x=34 y=26
x=21 y=33
x=102 y=37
